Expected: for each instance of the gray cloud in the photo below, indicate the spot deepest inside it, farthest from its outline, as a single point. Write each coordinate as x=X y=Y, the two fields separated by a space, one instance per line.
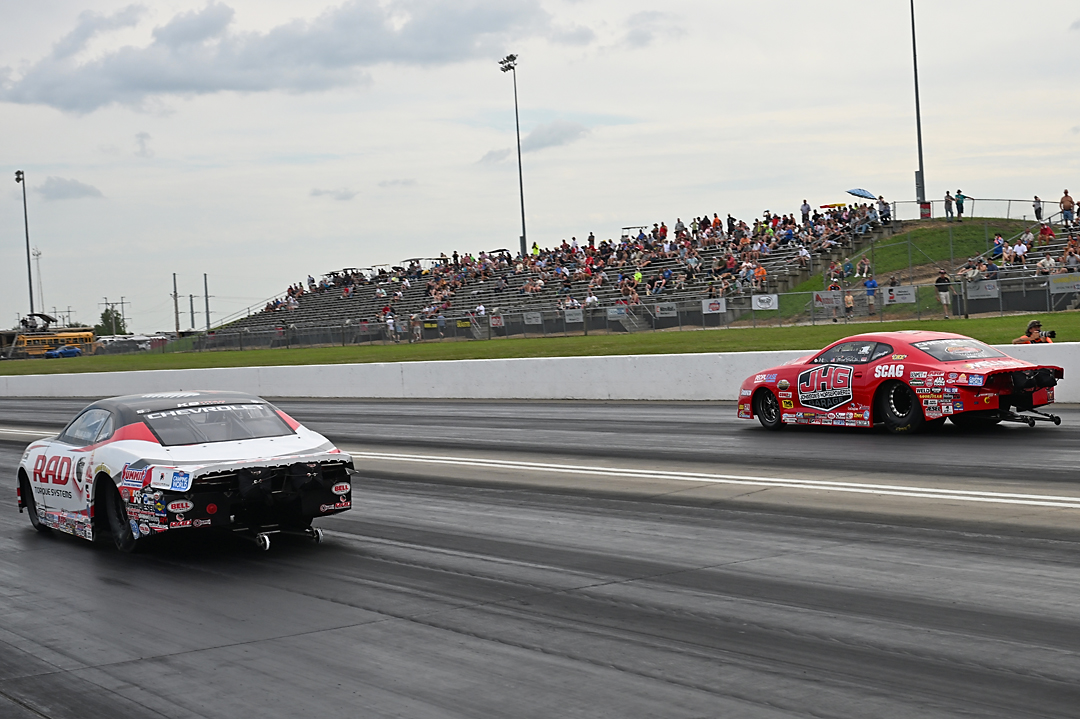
x=405 y=182
x=343 y=194
x=60 y=188
x=644 y=27
x=90 y=24
x=550 y=134
x=198 y=53
x=1075 y=25
x=553 y=134
x=142 y=139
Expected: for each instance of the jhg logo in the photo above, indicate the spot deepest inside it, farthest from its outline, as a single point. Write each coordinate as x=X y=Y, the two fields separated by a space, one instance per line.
x=825 y=387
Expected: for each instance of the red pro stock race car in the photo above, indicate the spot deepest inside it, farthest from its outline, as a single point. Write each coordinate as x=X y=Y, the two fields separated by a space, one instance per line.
x=905 y=380
x=129 y=468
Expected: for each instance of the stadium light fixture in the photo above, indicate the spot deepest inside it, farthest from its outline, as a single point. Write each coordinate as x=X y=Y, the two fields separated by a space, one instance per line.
x=21 y=179
x=509 y=64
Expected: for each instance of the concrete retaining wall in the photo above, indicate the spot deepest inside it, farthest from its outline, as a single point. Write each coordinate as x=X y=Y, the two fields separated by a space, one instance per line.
x=630 y=377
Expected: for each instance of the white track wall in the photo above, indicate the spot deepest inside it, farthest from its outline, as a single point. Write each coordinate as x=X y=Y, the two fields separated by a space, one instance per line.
x=634 y=377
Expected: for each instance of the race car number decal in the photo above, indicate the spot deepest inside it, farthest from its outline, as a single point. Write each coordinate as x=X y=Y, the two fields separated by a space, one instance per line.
x=825 y=387
x=889 y=370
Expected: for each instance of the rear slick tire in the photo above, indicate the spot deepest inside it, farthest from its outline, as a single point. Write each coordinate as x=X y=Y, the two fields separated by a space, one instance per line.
x=119 y=524
x=31 y=505
x=767 y=410
x=900 y=409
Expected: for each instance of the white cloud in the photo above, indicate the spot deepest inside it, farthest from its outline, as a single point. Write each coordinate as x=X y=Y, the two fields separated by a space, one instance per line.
x=60 y=188
x=343 y=194
x=198 y=52
x=404 y=182
x=142 y=139
x=1075 y=25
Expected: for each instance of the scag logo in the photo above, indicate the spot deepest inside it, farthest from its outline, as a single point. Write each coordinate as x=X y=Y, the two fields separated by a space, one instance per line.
x=825 y=387
x=889 y=370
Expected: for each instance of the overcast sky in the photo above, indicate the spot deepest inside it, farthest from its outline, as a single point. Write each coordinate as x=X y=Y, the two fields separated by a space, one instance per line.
x=259 y=141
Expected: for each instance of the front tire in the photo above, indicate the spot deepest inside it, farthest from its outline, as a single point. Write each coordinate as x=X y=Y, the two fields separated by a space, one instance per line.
x=767 y=410
x=31 y=505
x=900 y=409
x=119 y=524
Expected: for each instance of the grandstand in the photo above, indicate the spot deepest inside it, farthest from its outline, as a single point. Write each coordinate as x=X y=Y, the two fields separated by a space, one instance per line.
x=765 y=259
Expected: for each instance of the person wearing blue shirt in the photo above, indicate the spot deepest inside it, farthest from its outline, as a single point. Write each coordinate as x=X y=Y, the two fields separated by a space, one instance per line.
x=871 y=288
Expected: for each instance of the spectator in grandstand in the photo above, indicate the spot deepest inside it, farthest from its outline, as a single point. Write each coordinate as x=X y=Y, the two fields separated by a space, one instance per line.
x=1068 y=206
x=1046 y=235
x=1020 y=249
x=943 y=285
x=760 y=276
x=849 y=268
x=948 y=206
x=835 y=288
x=960 y=198
x=1046 y=265
x=1037 y=205
x=871 y=288
x=849 y=304
x=805 y=210
x=440 y=321
x=990 y=270
x=480 y=310
x=863 y=268
x=894 y=281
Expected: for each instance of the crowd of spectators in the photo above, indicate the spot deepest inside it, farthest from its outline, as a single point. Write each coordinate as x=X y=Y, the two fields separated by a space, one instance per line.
x=654 y=262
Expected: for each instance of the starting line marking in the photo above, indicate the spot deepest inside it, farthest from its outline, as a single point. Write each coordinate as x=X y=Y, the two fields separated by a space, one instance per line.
x=963 y=495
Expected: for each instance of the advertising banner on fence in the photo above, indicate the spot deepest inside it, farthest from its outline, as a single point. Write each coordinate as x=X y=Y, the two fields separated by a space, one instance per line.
x=766 y=302
x=827 y=298
x=904 y=294
x=714 y=307
x=1063 y=284
x=572 y=316
x=534 y=318
x=497 y=321
x=983 y=290
x=615 y=313
x=667 y=309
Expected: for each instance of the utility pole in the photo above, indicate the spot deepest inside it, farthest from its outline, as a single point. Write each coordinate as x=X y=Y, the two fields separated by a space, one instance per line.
x=920 y=179
x=509 y=64
x=21 y=179
x=206 y=298
x=40 y=291
x=176 y=305
x=123 y=315
x=191 y=299
x=110 y=307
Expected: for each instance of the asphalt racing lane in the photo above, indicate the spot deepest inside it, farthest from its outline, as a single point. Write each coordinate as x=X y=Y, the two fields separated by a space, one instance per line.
x=462 y=591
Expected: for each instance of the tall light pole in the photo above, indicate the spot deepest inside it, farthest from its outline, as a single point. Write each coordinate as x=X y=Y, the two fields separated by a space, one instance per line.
x=21 y=179
x=509 y=64
x=920 y=178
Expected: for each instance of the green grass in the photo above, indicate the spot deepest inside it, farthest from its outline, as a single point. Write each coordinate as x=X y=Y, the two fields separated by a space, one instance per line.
x=995 y=330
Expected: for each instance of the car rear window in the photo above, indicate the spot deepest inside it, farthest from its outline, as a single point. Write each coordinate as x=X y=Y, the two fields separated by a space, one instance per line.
x=957 y=349
x=215 y=423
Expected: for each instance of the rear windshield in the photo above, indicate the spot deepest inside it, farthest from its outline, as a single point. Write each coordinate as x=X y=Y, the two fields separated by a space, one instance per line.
x=955 y=350
x=215 y=423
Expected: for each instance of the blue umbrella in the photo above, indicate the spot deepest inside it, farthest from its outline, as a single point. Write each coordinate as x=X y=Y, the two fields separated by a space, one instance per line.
x=862 y=193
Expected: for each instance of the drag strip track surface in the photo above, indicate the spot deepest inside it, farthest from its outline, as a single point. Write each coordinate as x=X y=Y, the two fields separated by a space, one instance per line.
x=457 y=589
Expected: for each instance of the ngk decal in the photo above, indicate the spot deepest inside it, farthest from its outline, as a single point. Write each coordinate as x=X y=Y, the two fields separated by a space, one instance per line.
x=825 y=387
x=889 y=370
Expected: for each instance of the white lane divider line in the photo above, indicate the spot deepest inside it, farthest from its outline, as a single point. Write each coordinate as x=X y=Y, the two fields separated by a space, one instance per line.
x=1034 y=500
x=28 y=433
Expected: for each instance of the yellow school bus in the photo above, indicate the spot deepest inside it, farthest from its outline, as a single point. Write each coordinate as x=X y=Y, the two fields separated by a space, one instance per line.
x=36 y=344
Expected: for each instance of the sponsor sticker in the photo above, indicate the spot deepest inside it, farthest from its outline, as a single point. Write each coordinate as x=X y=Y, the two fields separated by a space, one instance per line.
x=917 y=375
x=889 y=370
x=897 y=358
x=144 y=529
x=135 y=478
x=179 y=506
x=952 y=375
x=180 y=524
x=326 y=507
x=783 y=384
x=976 y=380
x=745 y=393
x=787 y=404
x=784 y=395
x=759 y=378
x=916 y=382
x=200 y=523
x=341 y=488
x=825 y=387
x=947 y=408
x=134 y=527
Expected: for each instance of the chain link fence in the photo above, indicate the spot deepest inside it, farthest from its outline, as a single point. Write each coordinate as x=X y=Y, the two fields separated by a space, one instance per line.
x=1050 y=293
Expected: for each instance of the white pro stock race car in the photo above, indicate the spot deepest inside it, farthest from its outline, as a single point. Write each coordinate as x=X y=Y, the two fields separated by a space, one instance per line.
x=129 y=468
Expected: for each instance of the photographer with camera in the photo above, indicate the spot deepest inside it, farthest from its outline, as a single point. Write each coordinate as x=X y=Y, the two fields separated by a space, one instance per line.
x=1035 y=335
